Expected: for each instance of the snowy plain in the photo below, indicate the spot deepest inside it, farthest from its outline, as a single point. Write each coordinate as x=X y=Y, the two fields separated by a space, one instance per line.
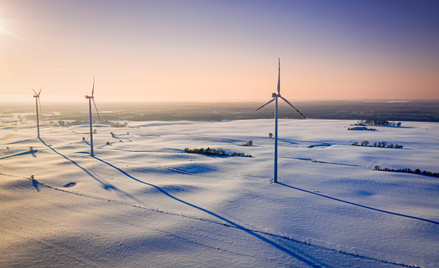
x=143 y=202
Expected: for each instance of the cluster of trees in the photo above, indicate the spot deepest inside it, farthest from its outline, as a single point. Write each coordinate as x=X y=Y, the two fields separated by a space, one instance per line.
x=209 y=151
x=382 y=144
x=379 y=122
x=407 y=170
x=120 y=125
x=361 y=128
x=74 y=123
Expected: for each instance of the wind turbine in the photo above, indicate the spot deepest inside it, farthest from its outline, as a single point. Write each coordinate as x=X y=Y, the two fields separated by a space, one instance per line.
x=37 y=101
x=275 y=98
x=90 y=98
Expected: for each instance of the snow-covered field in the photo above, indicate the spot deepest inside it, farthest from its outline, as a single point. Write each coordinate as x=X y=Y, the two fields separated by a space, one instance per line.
x=143 y=202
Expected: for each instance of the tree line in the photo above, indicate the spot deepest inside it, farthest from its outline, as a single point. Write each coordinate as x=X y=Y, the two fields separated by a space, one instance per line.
x=379 y=122
x=381 y=144
x=407 y=170
x=209 y=151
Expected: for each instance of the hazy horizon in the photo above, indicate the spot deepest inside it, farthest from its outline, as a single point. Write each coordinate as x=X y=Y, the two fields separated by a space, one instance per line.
x=219 y=111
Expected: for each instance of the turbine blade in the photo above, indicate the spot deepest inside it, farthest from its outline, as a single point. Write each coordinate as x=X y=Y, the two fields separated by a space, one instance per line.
x=266 y=104
x=96 y=109
x=40 y=91
x=93 y=89
x=34 y=92
x=278 y=79
x=292 y=106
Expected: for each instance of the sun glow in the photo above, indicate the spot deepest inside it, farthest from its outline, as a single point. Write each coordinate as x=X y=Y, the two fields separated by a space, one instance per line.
x=2 y=30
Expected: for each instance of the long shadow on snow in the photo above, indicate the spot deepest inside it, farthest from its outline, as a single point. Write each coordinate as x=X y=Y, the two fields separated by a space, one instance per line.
x=358 y=205
x=320 y=162
x=15 y=142
x=280 y=247
x=28 y=152
x=105 y=185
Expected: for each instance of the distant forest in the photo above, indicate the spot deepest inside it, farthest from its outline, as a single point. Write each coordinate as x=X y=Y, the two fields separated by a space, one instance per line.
x=358 y=110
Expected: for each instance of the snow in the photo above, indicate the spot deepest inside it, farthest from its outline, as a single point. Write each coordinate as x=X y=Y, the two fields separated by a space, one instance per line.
x=144 y=202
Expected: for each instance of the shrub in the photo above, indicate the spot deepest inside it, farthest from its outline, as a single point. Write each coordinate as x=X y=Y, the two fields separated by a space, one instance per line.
x=270 y=135
x=31 y=149
x=83 y=138
x=249 y=143
x=108 y=143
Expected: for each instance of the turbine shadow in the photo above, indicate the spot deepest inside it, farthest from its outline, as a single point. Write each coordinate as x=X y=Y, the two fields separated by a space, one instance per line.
x=237 y=226
x=359 y=205
x=17 y=142
x=23 y=153
x=320 y=162
x=105 y=185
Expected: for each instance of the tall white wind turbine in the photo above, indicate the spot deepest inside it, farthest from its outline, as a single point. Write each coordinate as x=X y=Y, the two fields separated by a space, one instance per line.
x=275 y=98
x=37 y=101
x=90 y=98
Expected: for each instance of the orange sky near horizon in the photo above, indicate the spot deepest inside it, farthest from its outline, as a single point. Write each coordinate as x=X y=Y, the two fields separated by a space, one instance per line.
x=217 y=50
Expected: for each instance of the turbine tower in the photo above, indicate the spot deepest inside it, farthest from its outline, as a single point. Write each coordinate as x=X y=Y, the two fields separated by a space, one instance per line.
x=37 y=101
x=275 y=98
x=90 y=98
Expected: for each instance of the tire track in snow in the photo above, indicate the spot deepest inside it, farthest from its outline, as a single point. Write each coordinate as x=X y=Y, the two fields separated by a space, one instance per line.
x=373 y=162
x=299 y=258
x=218 y=223
x=224 y=250
x=181 y=171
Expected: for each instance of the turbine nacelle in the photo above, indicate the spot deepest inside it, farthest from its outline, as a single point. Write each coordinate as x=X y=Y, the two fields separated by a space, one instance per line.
x=37 y=95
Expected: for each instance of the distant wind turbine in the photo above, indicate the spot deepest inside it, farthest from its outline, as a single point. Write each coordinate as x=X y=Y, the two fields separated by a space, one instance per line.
x=90 y=98
x=275 y=98
x=37 y=101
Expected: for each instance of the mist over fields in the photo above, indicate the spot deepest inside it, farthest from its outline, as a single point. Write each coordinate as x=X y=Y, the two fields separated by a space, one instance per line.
x=427 y=111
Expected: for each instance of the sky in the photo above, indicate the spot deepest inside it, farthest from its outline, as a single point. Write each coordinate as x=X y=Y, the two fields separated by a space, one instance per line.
x=219 y=50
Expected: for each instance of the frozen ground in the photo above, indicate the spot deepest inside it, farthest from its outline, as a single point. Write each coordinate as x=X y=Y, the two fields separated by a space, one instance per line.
x=142 y=201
